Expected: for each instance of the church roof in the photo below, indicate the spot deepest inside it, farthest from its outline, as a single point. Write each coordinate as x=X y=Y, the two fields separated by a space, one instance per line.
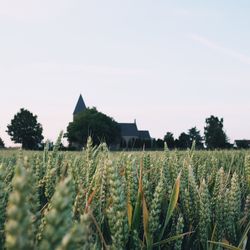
x=80 y=106
x=144 y=135
x=129 y=129
x=243 y=141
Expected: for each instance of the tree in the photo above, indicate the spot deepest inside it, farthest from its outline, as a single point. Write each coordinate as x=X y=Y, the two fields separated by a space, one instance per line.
x=1 y=143
x=95 y=124
x=184 y=141
x=194 y=135
x=137 y=144
x=25 y=129
x=157 y=144
x=215 y=137
x=169 y=139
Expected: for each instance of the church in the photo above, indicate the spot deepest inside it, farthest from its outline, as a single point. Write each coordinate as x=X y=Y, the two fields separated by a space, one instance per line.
x=129 y=131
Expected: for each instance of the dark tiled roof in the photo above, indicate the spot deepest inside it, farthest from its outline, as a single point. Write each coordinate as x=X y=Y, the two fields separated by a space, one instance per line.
x=144 y=135
x=80 y=106
x=244 y=140
x=128 y=129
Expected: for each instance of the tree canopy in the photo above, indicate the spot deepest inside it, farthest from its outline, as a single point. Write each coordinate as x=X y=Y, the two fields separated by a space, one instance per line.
x=1 y=143
x=184 y=141
x=25 y=129
x=169 y=139
x=215 y=137
x=95 y=124
x=195 y=135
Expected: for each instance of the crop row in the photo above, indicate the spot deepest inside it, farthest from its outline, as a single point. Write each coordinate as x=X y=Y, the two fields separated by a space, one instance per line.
x=96 y=199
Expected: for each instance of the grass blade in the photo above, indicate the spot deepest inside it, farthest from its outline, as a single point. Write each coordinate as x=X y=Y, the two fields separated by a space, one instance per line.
x=176 y=237
x=173 y=202
x=138 y=206
x=224 y=245
x=244 y=237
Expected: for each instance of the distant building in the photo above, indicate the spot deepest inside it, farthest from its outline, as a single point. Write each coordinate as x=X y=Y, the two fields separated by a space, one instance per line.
x=144 y=135
x=242 y=143
x=80 y=106
x=129 y=131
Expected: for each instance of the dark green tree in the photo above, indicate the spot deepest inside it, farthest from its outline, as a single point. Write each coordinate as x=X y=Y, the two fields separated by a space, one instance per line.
x=215 y=137
x=157 y=144
x=169 y=139
x=195 y=135
x=184 y=141
x=1 y=143
x=95 y=124
x=25 y=129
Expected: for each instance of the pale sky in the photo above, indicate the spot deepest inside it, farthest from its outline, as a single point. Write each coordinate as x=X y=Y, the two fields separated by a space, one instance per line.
x=167 y=64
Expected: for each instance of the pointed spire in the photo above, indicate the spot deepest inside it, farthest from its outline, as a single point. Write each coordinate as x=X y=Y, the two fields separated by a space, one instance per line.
x=80 y=106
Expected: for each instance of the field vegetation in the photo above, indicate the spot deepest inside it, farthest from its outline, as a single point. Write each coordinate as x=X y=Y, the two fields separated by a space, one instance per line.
x=96 y=199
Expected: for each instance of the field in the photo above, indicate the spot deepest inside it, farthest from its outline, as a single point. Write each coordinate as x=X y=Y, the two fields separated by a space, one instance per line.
x=97 y=199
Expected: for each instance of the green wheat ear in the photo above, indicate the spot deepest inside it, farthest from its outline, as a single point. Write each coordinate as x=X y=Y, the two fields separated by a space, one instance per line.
x=204 y=214
x=19 y=229
x=179 y=230
x=3 y=201
x=58 y=219
x=247 y=170
x=117 y=213
x=98 y=199
x=235 y=197
x=79 y=236
x=246 y=211
x=155 y=211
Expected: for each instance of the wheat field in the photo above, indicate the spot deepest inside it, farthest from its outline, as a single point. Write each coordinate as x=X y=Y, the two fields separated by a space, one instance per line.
x=96 y=199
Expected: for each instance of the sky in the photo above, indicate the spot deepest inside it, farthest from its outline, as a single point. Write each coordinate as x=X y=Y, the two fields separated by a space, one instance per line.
x=167 y=64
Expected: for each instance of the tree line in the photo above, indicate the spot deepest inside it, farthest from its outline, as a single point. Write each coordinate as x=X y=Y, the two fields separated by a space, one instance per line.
x=25 y=129
x=214 y=137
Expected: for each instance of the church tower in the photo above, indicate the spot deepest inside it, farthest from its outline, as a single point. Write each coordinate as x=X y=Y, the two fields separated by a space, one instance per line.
x=80 y=106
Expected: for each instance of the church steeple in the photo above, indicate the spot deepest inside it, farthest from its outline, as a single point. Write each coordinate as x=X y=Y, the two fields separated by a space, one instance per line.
x=80 y=106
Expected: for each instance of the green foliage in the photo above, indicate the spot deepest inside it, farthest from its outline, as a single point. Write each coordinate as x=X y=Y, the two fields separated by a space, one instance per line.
x=1 y=143
x=4 y=187
x=204 y=214
x=155 y=208
x=184 y=141
x=79 y=236
x=19 y=227
x=247 y=170
x=95 y=124
x=169 y=139
x=58 y=217
x=25 y=129
x=179 y=230
x=215 y=137
x=194 y=135
x=101 y=200
x=117 y=214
